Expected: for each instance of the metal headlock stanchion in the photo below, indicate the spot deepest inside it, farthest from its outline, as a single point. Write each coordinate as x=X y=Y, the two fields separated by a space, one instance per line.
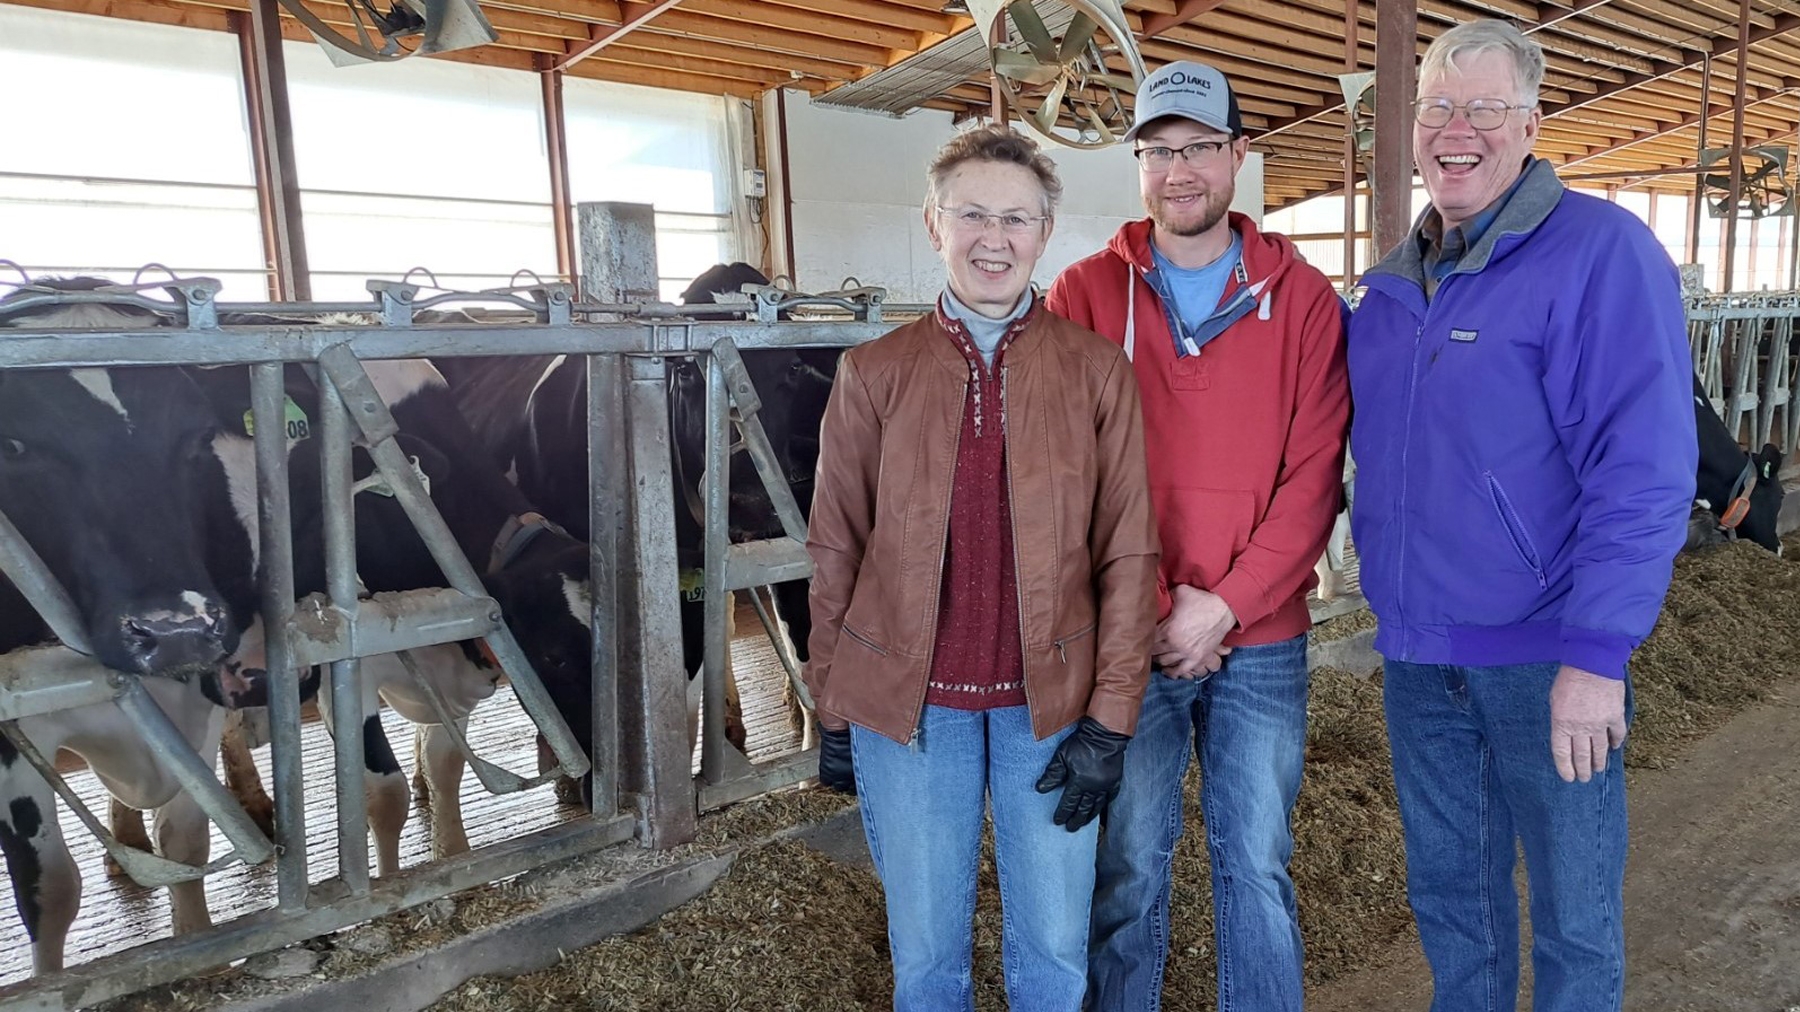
x=642 y=784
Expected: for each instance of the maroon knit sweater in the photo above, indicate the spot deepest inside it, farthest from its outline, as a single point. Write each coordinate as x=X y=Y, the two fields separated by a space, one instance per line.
x=977 y=662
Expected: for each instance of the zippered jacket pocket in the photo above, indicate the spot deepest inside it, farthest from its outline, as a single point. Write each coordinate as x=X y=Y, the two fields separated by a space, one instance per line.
x=1515 y=529
x=864 y=640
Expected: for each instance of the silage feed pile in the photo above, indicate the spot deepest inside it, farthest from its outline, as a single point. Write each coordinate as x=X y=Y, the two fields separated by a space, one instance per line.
x=790 y=929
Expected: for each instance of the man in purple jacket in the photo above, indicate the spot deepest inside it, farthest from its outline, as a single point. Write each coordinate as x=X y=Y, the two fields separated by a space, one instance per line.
x=1524 y=438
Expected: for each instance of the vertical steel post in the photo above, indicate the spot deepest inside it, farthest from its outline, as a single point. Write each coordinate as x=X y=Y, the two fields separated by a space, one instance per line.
x=654 y=686
x=267 y=400
x=556 y=143
x=272 y=139
x=1737 y=144
x=339 y=506
x=608 y=477
x=717 y=543
x=1396 y=81
x=1699 y=204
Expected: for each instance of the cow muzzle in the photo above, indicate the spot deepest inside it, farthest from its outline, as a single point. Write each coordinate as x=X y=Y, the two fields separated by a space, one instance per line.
x=174 y=646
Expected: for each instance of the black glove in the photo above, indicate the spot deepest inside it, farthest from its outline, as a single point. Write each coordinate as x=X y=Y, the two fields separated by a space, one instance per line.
x=1087 y=766
x=835 y=768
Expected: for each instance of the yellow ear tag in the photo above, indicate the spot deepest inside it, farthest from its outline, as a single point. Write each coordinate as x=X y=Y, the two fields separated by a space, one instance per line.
x=299 y=427
x=693 y=584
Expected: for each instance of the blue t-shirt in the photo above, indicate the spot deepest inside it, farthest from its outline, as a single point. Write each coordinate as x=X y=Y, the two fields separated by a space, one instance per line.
x=1197 y=290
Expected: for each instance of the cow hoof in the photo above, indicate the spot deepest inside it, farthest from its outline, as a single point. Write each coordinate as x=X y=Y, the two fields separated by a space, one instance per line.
x=568 y=791
x=262 y=813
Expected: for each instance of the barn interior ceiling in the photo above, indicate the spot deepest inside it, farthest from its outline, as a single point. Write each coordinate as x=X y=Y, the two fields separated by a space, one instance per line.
x=1622 y=96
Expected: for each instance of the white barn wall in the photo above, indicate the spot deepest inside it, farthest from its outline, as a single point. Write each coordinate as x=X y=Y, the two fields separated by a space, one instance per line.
x=858 y=184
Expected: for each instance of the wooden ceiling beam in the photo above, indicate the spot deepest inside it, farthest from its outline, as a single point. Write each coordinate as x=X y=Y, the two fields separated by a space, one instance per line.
x=686 y=21
x=749 y=56
x=1187 y=11
x=605 y=70
x=635 y=17
x=1689 y=121
x=807 y=23
x=880 y=12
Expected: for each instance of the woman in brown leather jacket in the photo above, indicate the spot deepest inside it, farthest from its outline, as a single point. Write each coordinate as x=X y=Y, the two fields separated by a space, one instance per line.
x=983 y=592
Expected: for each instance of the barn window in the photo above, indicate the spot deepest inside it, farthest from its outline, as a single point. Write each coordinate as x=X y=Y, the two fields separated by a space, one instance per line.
x=126 y=144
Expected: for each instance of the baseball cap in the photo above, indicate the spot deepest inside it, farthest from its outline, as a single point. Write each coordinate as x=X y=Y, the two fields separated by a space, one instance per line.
x=1192 y=91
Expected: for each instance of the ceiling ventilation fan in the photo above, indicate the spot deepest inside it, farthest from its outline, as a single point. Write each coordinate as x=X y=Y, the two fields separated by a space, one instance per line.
x=1071 y=87
x=1763 y=190
x=424 y=26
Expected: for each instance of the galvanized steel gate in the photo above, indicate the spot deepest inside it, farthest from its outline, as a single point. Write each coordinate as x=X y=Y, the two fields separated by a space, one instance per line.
x=643 y=786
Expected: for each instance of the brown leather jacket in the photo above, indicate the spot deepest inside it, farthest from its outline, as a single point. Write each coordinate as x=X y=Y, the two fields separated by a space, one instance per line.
x=1082 y=525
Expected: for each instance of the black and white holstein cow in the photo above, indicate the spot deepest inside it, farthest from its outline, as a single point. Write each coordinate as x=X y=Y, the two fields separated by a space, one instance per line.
x=218 y=489
x=110 y=476
x=535 y=571
x=533 y=412
x=1737 y=494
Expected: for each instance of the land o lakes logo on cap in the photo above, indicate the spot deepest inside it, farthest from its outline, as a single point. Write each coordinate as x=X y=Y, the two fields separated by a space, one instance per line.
x=1192 y=91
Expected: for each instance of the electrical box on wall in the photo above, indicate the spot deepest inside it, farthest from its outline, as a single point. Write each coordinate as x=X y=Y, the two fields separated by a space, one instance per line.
x=756 y=183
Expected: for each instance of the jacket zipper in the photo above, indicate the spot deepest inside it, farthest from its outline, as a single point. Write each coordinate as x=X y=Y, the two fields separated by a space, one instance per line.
x=1412 y=391
x=1012 y=522
x=937 y=584
x=1072 y=637
x=1515 y=529
x=864 y=640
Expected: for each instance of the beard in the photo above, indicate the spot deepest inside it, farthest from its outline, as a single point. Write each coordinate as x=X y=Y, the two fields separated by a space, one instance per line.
x=1210 y=210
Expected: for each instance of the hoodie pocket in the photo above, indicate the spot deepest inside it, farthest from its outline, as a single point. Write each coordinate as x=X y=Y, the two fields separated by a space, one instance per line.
x=1515 y=529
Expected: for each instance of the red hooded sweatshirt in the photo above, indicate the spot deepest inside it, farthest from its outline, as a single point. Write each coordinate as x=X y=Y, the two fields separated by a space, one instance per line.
x=1246 y=438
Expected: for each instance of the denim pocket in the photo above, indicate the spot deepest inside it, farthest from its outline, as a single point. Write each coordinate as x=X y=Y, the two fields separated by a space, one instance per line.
x=1515 y=529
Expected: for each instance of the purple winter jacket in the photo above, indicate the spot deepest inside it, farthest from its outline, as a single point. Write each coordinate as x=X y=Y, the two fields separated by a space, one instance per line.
x=1525 y=443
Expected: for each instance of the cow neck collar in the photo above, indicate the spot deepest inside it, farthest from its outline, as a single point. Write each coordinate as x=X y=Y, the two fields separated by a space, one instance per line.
x=516 y=535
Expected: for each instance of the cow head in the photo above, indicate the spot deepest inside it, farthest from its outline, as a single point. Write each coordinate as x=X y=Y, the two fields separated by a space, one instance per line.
x=102 y=470
x=1765 y=500
x=793 y=385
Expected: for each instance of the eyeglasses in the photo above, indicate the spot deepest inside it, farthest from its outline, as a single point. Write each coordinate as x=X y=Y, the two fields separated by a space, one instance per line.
x=968 y=219
x=1160 y=159
x=1482 y=113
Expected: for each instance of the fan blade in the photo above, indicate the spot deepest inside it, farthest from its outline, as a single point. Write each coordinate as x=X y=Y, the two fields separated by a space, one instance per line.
x=1117 y=82
x=1051 y=108
x=1106 y=133
x=1031 y=29
x=1019 y=67
x=1081 y=29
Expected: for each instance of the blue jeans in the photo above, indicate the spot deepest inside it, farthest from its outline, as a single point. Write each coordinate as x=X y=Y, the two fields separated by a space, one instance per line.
x=923 y=807
x=1473 y=769
x=1247 y=723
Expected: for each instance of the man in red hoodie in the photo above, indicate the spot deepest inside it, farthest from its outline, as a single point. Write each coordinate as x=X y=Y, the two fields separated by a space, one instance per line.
x=1239 y=351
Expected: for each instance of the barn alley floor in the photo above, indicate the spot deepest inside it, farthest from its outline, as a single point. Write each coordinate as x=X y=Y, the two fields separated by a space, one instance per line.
x=116 y=913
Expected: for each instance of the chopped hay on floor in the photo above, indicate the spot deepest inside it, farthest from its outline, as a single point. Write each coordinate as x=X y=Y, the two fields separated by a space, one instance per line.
x=1339 y=626
x=788 y=928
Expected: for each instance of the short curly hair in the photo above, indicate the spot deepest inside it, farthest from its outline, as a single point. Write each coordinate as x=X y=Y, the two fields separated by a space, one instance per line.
x=993 y=143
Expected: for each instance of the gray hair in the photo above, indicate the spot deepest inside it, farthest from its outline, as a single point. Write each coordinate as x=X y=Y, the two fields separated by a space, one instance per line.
x=1488 y=36
x=993 y=143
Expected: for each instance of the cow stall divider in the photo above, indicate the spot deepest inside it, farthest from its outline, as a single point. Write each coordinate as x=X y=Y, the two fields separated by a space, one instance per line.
x=642 y=781
x=1749 y=364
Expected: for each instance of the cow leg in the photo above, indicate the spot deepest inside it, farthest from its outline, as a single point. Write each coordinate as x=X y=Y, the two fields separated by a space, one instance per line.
x=795 y=622
x=386 y=794
x=182 y=834
x=128 y=828
x=46 y=883
x=735 y=732
x=386 y=798
x=242 y=778
x=441 y=764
